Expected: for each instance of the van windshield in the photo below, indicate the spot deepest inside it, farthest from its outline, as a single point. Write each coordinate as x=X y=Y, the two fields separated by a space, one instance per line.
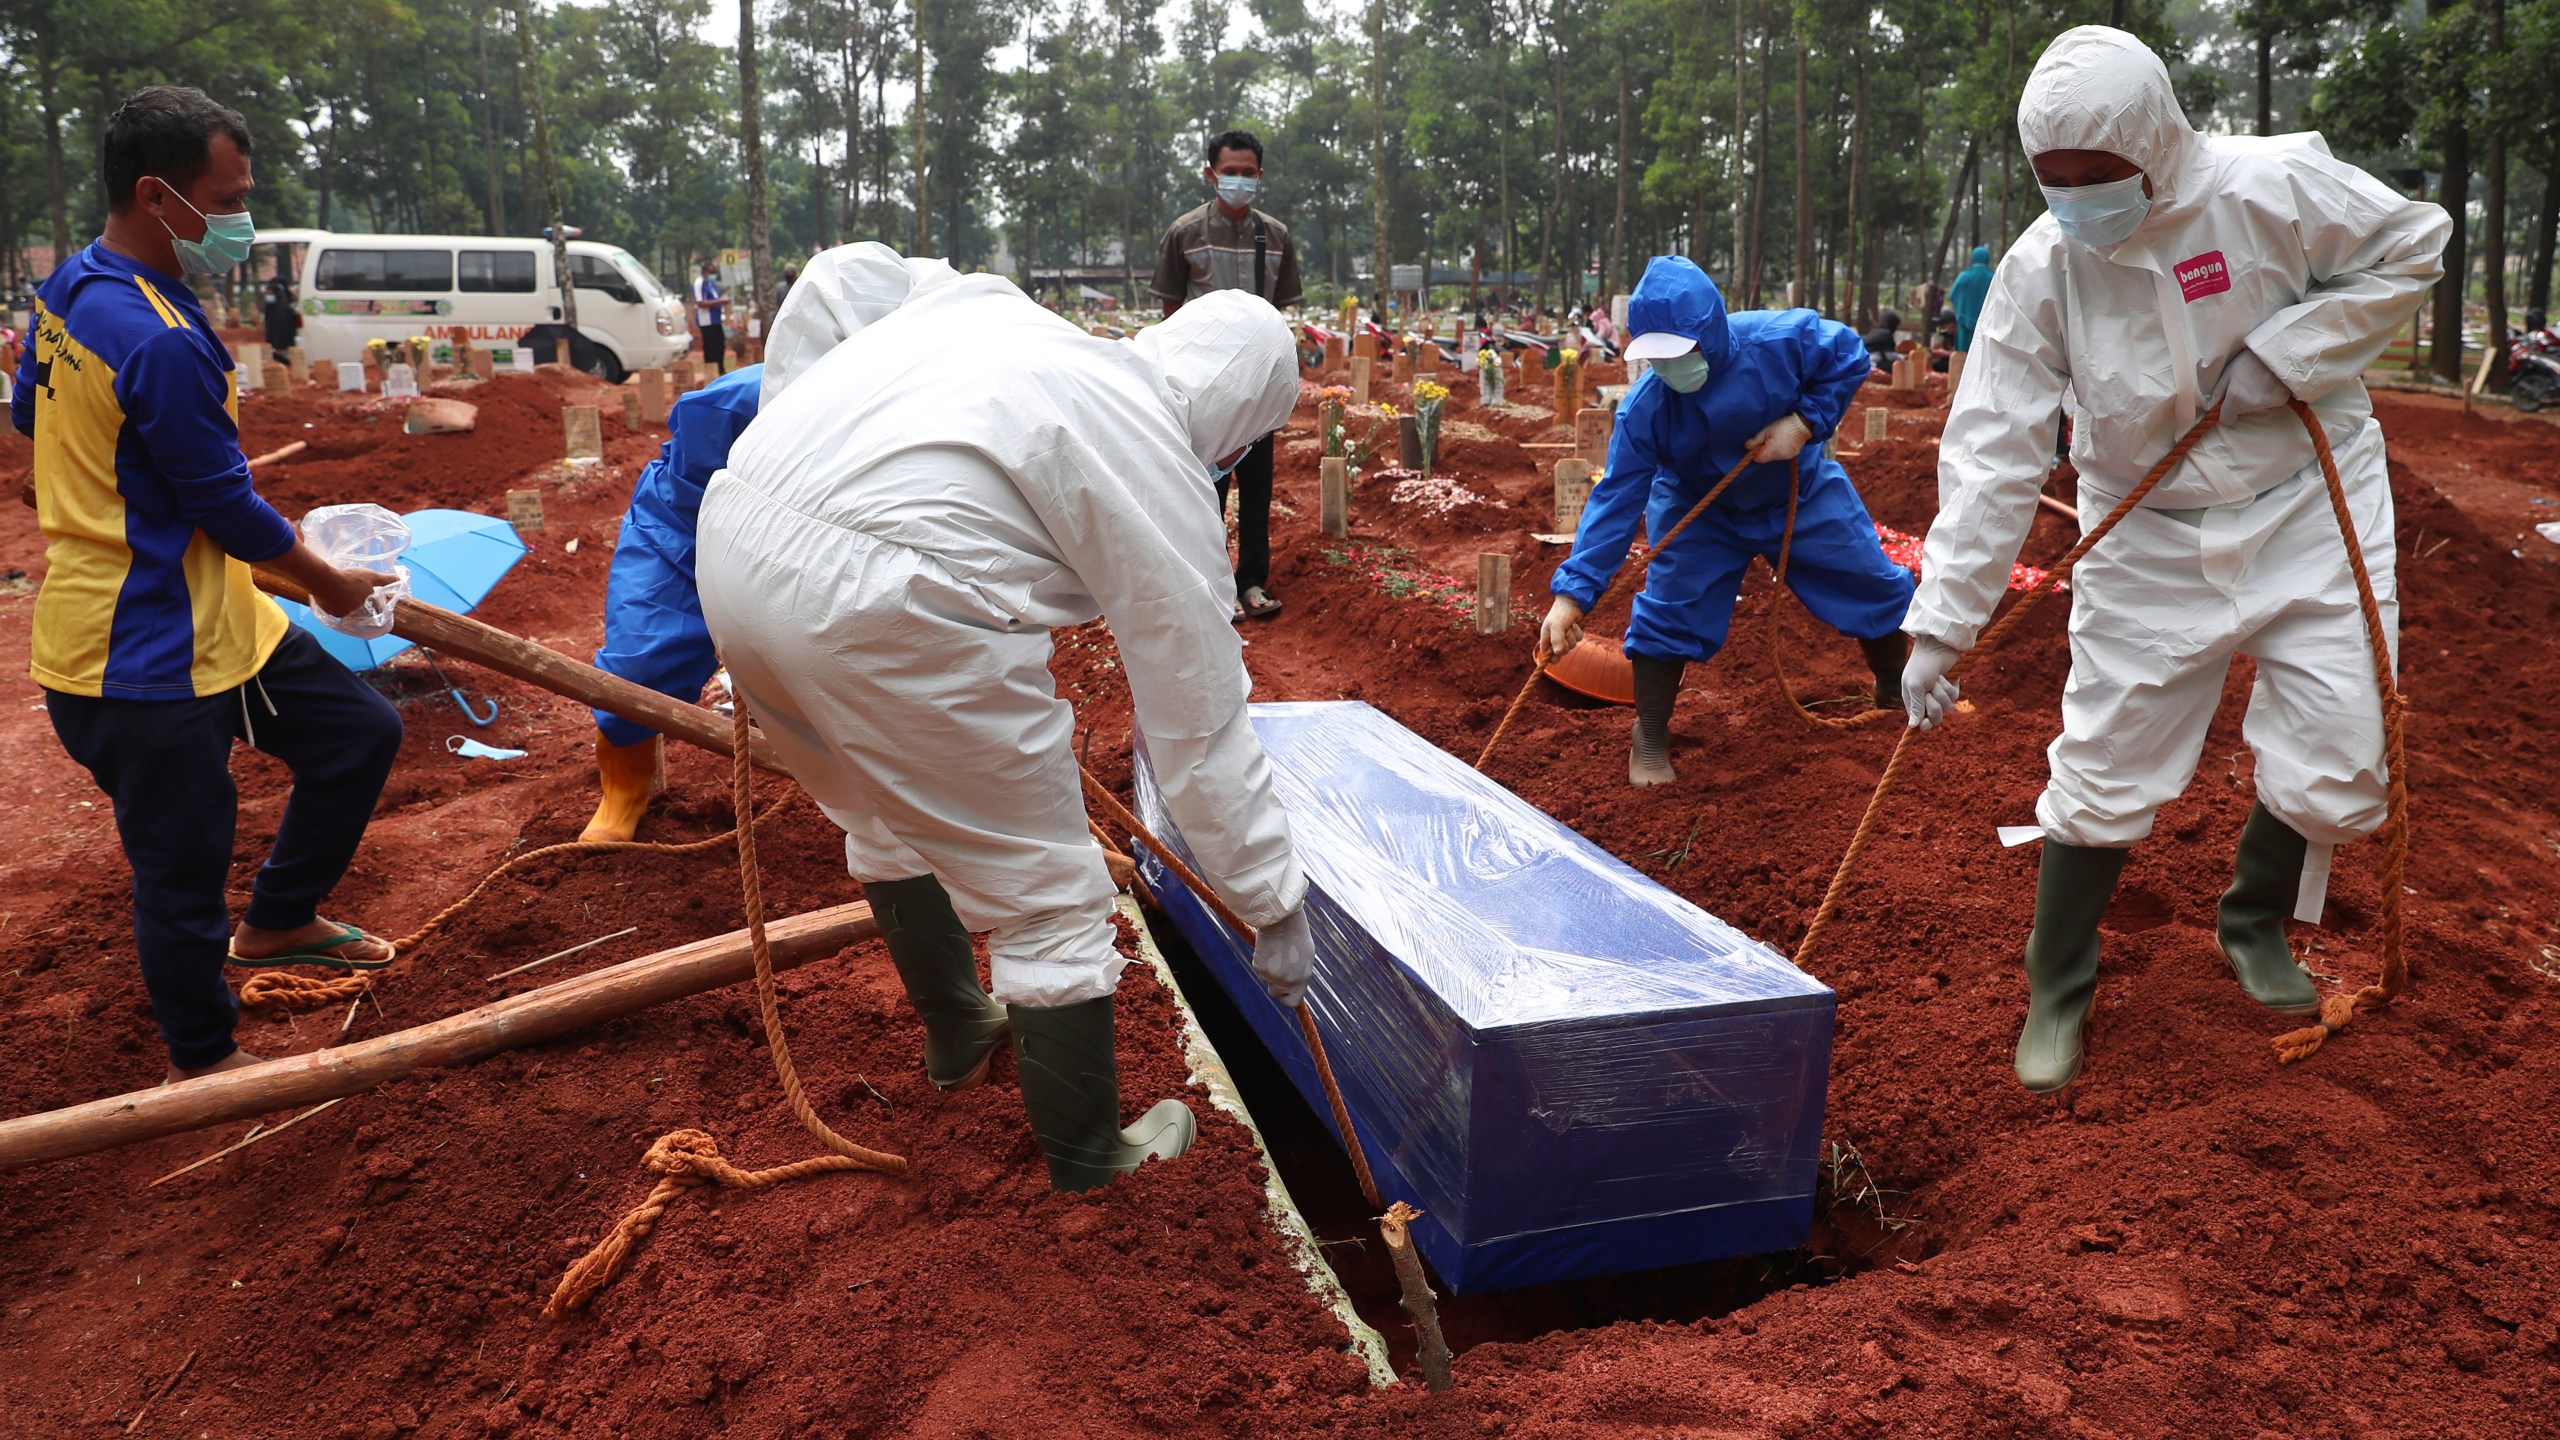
x=638 y=274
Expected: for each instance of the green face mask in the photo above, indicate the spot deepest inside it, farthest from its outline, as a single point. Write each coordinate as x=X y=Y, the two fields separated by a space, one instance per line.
x=1684 y=373
x=226 y=241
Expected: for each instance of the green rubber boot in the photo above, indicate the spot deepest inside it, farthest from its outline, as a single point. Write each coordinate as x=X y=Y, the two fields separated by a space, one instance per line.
x=2266 y=875
x=2072 y=891
x=1884 y=656
x=1071 y=1092
x=930 y=947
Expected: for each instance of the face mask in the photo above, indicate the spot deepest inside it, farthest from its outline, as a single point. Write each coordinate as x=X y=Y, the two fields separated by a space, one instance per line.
x=1218 y=474
x=2099 y=214
x=225 y=244
x=1684 y=373
x=1239 y=189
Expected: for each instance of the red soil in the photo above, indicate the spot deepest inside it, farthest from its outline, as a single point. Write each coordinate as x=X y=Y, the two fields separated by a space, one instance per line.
x=2191 y=1241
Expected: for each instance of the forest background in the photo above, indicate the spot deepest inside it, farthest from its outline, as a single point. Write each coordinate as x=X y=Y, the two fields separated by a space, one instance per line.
x=1839 y=154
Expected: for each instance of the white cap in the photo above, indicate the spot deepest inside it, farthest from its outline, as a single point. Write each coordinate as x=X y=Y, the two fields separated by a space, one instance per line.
x=1659 y=345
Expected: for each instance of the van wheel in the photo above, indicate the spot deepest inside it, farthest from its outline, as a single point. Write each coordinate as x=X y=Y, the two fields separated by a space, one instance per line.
x=608 y=366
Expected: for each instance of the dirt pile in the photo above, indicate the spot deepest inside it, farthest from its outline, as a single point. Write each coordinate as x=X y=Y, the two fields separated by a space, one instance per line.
x=2190 y=1242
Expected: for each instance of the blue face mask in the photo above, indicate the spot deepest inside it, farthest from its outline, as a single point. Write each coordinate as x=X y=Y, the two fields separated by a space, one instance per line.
x=225 y=244
x=1684 y=373
x=2102 y=214
x=1239 y=190
x=1219 y=473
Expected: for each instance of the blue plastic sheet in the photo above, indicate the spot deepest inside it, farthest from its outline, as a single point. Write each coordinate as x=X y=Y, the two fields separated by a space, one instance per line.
x=1568 y=1069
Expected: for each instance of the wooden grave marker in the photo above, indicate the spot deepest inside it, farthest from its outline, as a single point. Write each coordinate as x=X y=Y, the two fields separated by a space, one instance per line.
x=581 y=432
x=1493 y=593
x=1337 y=497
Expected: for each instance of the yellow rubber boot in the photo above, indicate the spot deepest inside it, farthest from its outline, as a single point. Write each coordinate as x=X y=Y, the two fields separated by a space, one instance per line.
x=631 y=774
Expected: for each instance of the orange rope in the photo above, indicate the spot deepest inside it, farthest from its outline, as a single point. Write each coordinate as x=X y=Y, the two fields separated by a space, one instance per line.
x=1636 y=565
x=1120 y=816
x=688 y=1159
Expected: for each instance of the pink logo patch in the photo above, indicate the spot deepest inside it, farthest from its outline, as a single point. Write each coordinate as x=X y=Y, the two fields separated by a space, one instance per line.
x=2207 y=274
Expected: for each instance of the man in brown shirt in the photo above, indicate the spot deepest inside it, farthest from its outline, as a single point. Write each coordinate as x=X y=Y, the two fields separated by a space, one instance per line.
x=1227 y=244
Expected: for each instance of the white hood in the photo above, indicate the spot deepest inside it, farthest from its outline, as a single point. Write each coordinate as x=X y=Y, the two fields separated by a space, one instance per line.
x=1230 y=370
x=2095 y=88
x=843 y=290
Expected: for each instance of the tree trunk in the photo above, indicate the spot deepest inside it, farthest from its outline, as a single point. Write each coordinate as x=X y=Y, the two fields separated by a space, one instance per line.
x=1759 y=165
x=1955 y=211
x=1502 y=150
x=2537 y=291
x=924 y=225
x=1618 y=226
x=1855 y=229
x=489 y=132
x=2453 y=192
x=2266 y=40
x=1803 y=257
x=48 y=72
x=1741 y=128
x=550 y=169
x=759 y=197
x=2493 y=216
x=1378 y=217
x=1555 y=168
x=852 y=118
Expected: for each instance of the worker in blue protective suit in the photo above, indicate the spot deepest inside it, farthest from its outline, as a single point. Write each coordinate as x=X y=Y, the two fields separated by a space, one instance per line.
x=1965 y=297
x=653 y=630
x=1762 y=385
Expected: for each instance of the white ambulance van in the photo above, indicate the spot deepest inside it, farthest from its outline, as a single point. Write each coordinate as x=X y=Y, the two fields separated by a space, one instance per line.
x=355 y=288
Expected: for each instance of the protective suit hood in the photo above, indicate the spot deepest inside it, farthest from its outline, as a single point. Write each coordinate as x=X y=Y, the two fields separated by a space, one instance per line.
x=1676 y=296
x=2097 y=88
x=843 y=290
x=1230 y=370
x=1982 y=255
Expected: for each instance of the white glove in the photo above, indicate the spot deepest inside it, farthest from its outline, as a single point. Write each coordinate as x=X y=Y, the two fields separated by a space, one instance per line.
x=1927 y=693
x=1284 y=956
x=1782 y=439
x=1561 y=630
x=2248 y=387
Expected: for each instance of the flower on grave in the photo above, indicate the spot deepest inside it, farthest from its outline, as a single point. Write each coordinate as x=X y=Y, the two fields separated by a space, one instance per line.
x=1338 y=393
x=1428 y=392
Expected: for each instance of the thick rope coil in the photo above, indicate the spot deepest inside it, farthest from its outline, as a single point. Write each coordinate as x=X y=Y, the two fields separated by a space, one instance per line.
x=688 y=1158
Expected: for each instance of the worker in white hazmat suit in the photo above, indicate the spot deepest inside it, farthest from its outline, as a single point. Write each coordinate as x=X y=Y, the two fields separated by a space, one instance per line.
x=882 y=563
x=2172 y=272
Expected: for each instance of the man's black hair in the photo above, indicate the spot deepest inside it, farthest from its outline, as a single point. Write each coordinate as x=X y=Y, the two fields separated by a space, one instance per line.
x=164 y=131
x=1226 y=140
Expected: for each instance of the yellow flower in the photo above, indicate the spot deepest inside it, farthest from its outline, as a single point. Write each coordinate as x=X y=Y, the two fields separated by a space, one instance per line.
x=1569 y=357
x=1428 y=390
x=1386 y=409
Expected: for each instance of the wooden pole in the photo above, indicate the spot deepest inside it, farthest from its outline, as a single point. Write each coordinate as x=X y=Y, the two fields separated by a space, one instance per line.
x=1361 y=365
x=508 y=1024
x=1337 y=497
x=464 y=638
x=1419 y=1302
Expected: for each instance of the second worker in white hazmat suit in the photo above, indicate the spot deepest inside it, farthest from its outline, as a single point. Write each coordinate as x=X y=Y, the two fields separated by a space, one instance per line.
x=2173 y=271
x=882 y=564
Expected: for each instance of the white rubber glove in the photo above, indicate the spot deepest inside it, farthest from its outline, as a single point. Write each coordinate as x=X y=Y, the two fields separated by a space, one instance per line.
x=2248 y=386
x=1927 y=694
x=1782 y=439
x=1284 y=956
x=1561 y=630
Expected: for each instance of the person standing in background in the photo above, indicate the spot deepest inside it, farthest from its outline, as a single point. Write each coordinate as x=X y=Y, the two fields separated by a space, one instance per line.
x=782 y=287
x=1965 y=297
x=278 y=314
x=155 y=650
x=1227 y=244
x=709 y=305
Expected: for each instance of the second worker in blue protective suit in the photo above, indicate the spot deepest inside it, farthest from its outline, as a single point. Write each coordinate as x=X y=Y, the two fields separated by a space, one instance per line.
x=653 y=630
x=1766 y=384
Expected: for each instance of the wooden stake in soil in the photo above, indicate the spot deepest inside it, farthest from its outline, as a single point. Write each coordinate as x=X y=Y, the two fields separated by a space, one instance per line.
x=630 y=408
x=1593 y=429
x=1403 y=372
x=1409 y=442
x=1337 y=497
x=653 y=396
x=524 y=509
x=1879 y=423
x=1360 y=367
x=1418 y=1302
x=1493 y=593
x=279 y=380
x=581 y=432
x=1364 y=346
x=1573 y=490
x=1955 y=371
x=1568 y=387
x=1334 y=352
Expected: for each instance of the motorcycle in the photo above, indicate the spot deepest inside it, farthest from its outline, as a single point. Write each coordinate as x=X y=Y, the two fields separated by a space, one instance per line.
x=2533 y=369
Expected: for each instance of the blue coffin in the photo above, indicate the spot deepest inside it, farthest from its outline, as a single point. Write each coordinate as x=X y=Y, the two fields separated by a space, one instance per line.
x=1568 y=1069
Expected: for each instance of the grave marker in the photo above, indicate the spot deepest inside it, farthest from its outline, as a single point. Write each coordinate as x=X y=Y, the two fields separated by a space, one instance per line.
x=1573 y=490
x=1403 y=372
x=524 y=509
x=1879 y=420
x=351 y=376
x=1364 y=346
x=1493 y=593
x=1337 y=497
x=1593 y=428
x=653 y=396
x=279 y=380
x=1409 y=441
x=582 y=432
x=630 y=408
x=1360 y=379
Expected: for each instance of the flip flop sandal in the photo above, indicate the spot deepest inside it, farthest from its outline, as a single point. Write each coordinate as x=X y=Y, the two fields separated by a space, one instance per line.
x=319 y=952
x=1269 y=607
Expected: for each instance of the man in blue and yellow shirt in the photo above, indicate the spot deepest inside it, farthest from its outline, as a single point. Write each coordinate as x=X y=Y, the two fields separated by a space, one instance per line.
x=154 y=648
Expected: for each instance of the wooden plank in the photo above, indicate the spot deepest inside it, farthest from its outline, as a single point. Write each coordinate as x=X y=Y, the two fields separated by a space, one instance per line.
x=1493 y=593
x=1573 y=490
x=512 y=1023
x=1337 y=497
x=1593 y=428
x=581 y=432
x=1360 y=368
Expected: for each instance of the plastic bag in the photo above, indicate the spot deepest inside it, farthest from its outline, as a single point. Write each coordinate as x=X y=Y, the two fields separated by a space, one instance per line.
x=361 y=537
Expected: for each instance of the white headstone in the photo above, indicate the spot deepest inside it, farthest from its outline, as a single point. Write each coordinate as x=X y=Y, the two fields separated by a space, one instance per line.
x=399 y=380
x=524 y=360
x=350 y=375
